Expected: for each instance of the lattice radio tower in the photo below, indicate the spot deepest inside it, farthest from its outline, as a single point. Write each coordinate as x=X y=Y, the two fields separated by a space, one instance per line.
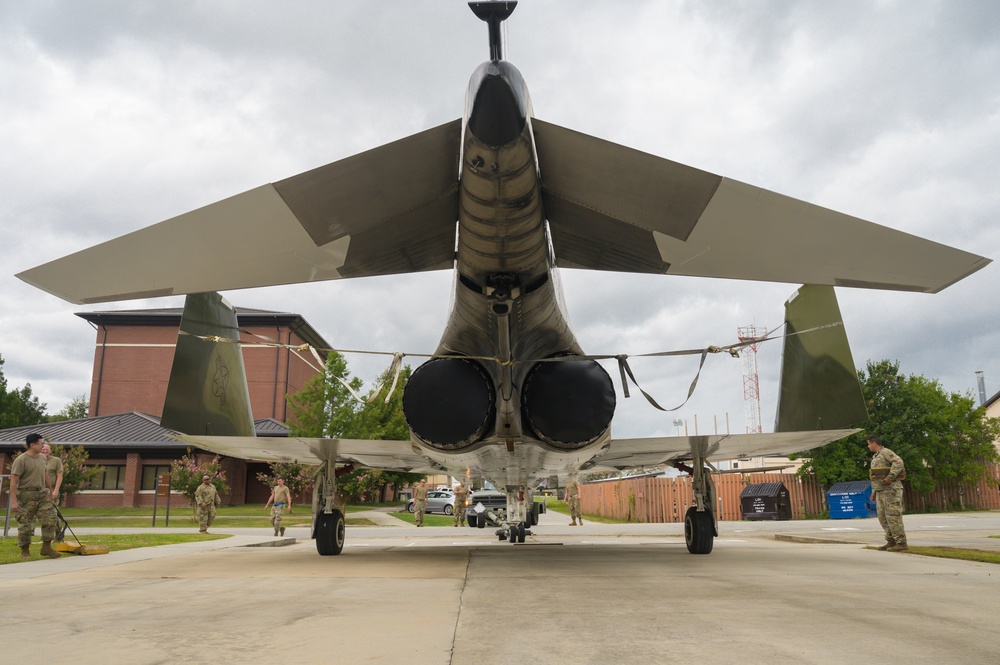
x=751 y=384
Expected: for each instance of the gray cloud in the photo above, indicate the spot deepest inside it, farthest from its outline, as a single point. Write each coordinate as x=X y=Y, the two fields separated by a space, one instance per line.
x=118 y=115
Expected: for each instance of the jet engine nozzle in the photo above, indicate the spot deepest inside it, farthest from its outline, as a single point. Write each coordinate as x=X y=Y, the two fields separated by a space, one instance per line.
x=449 y=402
x=568 y=403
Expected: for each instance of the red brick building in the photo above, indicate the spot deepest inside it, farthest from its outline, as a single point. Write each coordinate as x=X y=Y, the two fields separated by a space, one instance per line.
x=132 y=359
x=135 y=348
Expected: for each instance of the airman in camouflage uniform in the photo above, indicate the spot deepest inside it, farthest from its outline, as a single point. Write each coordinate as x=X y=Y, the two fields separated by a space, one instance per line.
x=419 y=503
x=31 y=498
x=207 y=498
x=573 y=501
x=887 y=472
x=54 y=470
x=461 y=494
x=282 y=498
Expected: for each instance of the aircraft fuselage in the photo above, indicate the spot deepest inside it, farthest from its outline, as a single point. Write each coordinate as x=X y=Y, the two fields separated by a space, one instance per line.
x=507 y=311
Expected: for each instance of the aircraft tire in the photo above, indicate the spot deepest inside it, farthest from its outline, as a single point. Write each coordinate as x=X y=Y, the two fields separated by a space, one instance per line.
x=521 y=532
x=330 y=533
x=473 y=520
x=698 y=531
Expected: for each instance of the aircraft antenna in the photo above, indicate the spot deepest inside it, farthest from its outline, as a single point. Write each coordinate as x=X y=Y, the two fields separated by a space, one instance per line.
x=494 y=13
x=751 y=384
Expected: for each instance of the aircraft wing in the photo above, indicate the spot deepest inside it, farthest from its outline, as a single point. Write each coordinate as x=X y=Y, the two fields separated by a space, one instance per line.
x=631 y=453
x=614 y=208
x=389 y=210
x=371 y=454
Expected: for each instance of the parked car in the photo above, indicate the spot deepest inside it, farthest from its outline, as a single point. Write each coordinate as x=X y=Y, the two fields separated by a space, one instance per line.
x=438 y=501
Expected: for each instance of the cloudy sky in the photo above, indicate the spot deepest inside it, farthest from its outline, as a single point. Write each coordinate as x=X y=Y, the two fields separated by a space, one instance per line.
x=117 y=115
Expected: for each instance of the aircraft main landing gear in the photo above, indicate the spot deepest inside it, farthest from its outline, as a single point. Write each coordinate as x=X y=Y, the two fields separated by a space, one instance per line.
x=329 y=528
x=700 y=525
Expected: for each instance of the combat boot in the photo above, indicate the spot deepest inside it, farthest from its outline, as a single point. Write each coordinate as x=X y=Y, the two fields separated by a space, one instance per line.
x=276 y=531
x=282 y=530
x=25 y=552
x=48 y=551
x=886 y=546
x=899 y=547
x=573 y=523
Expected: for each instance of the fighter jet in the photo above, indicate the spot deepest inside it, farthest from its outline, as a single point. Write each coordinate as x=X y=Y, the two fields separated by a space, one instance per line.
x=504 y=199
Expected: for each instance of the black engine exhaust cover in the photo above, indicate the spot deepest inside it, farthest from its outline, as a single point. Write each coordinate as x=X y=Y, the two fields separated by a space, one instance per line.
x=449 y=402
x=568 y=403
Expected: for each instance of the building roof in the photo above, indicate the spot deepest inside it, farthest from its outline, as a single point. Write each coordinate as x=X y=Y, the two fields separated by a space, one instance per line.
x=246 y=317
x=122 y=430
x=988 y=403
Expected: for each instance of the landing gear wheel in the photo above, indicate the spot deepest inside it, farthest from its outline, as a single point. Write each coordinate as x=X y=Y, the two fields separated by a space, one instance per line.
x=473 y=519
x=699 y=531
x=330 y=533
x=448 y=510
x=520 y=532
x=513 y=535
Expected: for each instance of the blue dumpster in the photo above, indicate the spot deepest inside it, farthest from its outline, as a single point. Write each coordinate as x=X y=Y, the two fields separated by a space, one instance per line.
x=850 y=499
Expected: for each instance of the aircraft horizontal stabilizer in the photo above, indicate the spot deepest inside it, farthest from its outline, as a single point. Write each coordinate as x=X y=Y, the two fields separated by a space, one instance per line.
x=614 y=208
x=631 y=453
x=372 y=454
x=389 y=210
x=819 y=384
x=207 y=392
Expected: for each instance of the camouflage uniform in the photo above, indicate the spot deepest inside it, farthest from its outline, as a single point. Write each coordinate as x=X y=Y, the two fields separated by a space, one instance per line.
x=53 y=467
x=207 y=499
x=889 y=498
x=461 y=494
x=282 y=498
x=419 y=503
x=573 y=502
x=34 y=500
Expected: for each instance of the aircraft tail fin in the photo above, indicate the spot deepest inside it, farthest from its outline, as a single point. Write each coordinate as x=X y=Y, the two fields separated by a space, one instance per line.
x=207 y=393
x=819 y=383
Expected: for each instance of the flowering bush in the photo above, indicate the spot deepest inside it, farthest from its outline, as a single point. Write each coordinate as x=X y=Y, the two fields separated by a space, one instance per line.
x=186 y=474
x=298 y=478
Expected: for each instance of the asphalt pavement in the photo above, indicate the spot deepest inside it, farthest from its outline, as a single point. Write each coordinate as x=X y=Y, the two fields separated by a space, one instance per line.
x=592 y=594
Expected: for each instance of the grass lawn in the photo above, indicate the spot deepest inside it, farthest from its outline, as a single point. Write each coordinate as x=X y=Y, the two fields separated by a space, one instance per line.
x=250 y=516
x=182 y=521
x=11 y=553
x=561 y=507
x=429 y=519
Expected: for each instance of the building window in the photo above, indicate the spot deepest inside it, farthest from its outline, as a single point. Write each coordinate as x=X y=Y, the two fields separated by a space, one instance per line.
x=150 y=473
x=113 y=478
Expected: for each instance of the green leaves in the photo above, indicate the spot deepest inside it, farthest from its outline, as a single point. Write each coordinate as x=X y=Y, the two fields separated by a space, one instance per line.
x=326 y=408
x=77 y=474
x=186 y=474
x=18 y=407
x=940 y=436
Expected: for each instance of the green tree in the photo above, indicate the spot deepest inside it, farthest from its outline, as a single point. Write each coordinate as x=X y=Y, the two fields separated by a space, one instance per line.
x=380 y=418
x=940 y=436
x=325 y=406
x=186 y=474
x=77 y=473
x=18 y=407
x=78 y=408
